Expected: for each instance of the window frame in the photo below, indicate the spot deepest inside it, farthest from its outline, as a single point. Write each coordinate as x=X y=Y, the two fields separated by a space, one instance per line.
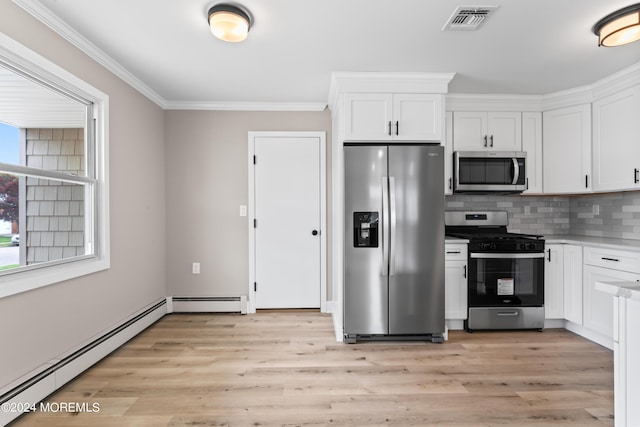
x=25 y=278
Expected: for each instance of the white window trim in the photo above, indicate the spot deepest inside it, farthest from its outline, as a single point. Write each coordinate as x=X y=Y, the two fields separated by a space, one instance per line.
x=23 y=58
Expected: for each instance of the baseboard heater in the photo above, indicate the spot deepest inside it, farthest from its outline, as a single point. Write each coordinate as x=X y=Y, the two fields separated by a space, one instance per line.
x=209 y=304
x=59 y=372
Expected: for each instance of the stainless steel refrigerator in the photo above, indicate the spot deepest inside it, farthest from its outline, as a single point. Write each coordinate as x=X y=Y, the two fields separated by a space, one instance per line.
x=394 y=242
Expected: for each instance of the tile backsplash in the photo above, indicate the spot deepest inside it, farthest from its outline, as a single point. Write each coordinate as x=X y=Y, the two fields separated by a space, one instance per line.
x=615 y=215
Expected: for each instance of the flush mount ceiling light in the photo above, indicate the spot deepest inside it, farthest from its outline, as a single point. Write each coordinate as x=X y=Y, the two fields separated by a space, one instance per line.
x=620 y=27
x=229 y=22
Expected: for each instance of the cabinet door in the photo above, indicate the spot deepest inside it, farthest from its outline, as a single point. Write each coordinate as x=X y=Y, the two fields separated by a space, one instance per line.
x=368 y=117
x=616 y=145
x=632 y=368
x=417 y=117
x=566 y=143
x=532 y=145
x=505 y=131
x=553 y=282
x=455 y=281
x=572 y=283
x=470 y=131
x=598 y=306
x=455 y=285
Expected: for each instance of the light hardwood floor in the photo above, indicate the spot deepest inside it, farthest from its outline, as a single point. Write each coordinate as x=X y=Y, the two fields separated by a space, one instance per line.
x=284 y=368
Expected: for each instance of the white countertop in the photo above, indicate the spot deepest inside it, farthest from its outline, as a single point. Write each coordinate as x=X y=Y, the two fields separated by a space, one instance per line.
x=448 y=239
x=620 y=289
x=574 y=239
x=605 y=242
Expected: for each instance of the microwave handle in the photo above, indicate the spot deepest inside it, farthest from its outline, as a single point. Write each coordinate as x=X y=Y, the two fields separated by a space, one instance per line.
x=516 y=171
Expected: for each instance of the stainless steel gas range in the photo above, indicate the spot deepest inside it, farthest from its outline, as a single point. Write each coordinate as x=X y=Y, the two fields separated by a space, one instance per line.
x=505 y=272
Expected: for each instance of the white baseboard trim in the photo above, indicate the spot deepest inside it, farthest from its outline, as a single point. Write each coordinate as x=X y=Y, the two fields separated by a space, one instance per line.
x=209 y=304
x=331 y=306
x=589 y=334
x=454 y=324
x=337 y=328
x=60 y=371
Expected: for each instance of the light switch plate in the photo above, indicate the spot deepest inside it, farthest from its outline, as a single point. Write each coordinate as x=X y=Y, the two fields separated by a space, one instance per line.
x=243 y=210
x=195 y=268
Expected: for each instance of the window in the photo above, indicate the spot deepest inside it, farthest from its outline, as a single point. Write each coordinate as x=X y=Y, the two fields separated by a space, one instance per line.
x=53 y=173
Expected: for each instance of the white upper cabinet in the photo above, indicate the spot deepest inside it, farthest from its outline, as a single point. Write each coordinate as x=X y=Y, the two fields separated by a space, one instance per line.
x=475 y=131
x=368 y=116
x=393 y=117
x=532 y=145
x=566 y=142
x=616 y=141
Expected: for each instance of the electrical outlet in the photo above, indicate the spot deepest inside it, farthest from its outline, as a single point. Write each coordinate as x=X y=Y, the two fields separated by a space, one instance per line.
x=243 y=210
x=596 y=210
x=527 y=210
x=195 y=268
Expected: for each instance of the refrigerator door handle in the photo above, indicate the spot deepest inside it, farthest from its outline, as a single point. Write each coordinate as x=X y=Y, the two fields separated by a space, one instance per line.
x=392 y=227
x=385 y=225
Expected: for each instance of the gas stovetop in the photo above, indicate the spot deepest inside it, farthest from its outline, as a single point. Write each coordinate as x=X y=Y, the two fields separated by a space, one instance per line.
x=487 y=232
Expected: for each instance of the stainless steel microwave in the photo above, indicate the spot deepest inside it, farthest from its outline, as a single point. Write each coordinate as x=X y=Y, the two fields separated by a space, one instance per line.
x=489 y=171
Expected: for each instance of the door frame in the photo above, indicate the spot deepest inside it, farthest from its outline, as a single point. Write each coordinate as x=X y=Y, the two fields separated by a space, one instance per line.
x=252 y=135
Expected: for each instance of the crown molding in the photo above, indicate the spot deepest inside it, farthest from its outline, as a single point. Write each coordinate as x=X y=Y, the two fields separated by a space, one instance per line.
x=246 y=106
x=489 y=102
x=386 y=82
x=48 y=18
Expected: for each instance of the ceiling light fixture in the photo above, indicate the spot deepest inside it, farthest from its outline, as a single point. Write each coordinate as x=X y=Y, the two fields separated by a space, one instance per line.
x=620 y=27
x=229 y=22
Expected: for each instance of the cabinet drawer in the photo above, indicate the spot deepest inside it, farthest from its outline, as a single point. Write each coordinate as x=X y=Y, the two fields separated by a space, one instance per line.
x=455 y=252
x=614 y=259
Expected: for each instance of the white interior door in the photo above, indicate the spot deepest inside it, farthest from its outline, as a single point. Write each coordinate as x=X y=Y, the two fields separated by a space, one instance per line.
x=287 y=206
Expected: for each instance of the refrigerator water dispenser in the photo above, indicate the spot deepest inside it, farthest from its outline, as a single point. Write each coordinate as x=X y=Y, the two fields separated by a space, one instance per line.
x=365 y=229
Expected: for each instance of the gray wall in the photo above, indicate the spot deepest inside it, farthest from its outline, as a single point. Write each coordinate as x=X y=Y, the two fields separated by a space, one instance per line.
x=618 y=217
x=207 y=171
x=44 y=323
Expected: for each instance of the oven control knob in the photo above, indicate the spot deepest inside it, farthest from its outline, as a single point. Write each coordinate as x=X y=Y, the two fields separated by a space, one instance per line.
x=488 y=245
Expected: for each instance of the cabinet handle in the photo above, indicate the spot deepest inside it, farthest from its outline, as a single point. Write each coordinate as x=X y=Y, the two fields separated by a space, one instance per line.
x=549 y=255
x=635 y=176
x=586 y=181
x=453 y=252
x=464 y=274
x=527 y=181
x=485 y=140
x=491 y=139
x=397 y=127
x=610 y=259
x=389 y=127
x=450 y=183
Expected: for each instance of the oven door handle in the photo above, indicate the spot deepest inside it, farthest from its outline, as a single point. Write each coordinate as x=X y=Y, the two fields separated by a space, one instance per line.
x=506 y=255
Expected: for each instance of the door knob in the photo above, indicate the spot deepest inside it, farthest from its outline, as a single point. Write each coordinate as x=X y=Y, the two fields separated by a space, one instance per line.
x=314 y=232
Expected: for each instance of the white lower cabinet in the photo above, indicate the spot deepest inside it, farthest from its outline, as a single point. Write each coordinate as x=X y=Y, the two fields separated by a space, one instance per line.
x=602 y=265
x=626 y=353
x=572 y=283
x=553 y=282
x=455 y=281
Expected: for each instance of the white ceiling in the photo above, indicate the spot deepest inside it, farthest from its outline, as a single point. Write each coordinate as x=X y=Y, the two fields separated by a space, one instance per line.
x=166 y=50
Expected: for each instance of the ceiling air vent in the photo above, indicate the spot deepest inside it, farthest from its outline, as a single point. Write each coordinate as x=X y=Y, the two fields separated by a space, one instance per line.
x=468 y=17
